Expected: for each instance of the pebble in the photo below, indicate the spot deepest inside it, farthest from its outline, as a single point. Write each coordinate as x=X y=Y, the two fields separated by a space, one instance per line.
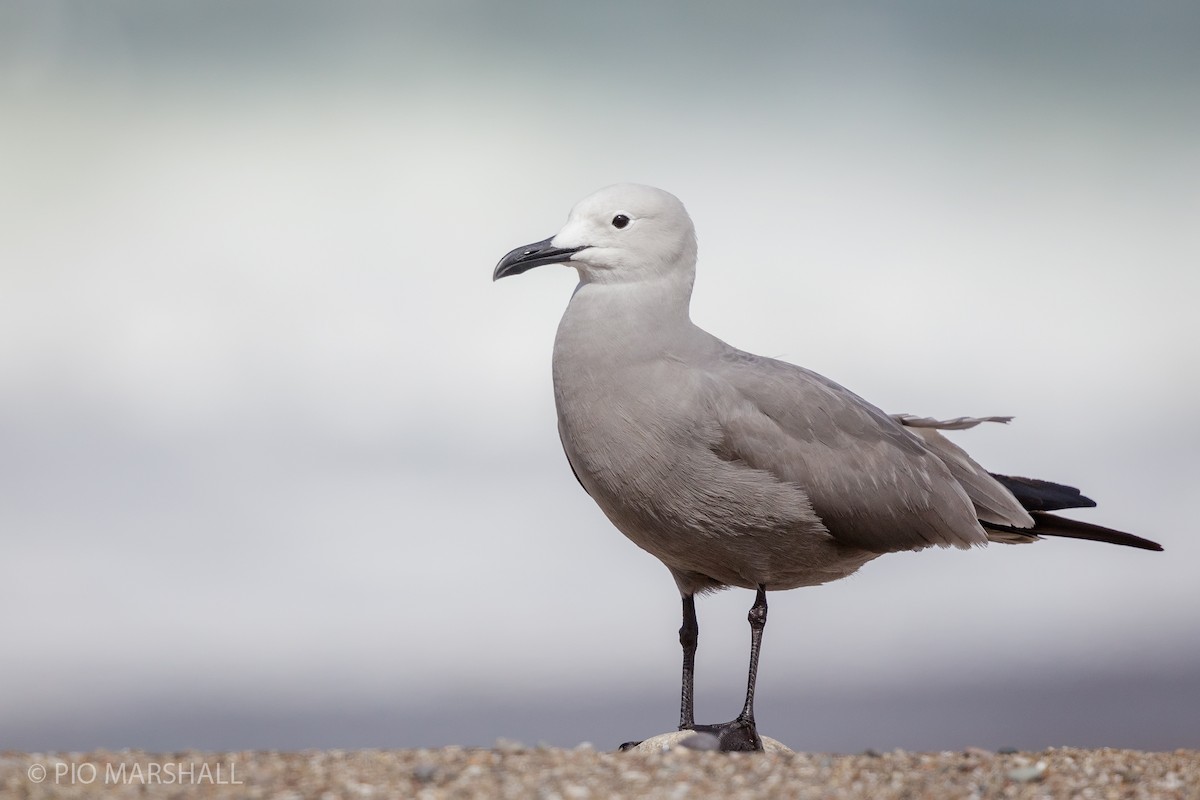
x=1033 y=772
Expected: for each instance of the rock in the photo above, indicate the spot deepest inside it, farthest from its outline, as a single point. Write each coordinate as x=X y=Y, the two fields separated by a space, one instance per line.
x=700 y=741
x=675 y=739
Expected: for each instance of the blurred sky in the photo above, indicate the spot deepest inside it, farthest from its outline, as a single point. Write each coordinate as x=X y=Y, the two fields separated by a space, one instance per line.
x=271 y=440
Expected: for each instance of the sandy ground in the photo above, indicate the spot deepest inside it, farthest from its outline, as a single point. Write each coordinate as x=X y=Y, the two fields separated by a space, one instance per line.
x=510 y=770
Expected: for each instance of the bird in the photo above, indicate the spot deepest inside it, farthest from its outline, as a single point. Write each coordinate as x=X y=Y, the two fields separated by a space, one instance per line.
x=737 y=470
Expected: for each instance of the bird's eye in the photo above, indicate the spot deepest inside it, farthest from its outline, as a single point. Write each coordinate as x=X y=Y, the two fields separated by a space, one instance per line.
x=620 y=221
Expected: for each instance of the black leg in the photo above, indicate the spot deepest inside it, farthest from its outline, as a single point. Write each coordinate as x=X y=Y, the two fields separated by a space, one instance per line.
x=689 y=634
x=741 y=733
x=758 y=620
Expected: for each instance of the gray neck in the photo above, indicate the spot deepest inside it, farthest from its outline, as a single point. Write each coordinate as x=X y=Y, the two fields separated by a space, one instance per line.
x=627 y=321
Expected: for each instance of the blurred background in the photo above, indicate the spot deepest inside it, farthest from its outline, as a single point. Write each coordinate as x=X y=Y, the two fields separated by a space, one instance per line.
x=278 y=461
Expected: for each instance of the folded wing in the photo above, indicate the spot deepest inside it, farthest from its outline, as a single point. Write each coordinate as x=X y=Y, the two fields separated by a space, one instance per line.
x=874 y=485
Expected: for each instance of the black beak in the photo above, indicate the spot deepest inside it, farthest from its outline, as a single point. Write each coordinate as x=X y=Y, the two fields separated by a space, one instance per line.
x=532 y=255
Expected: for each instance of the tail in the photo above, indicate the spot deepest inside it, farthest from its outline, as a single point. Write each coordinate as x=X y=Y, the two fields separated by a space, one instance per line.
x=1039 y=497
x=1035 y=496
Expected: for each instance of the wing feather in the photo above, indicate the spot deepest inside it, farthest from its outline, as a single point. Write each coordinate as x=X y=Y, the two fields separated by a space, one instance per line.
x=992 y=500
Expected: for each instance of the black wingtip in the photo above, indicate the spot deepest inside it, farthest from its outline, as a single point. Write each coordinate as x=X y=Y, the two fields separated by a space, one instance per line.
x=1038 y=495
x=1050 y=525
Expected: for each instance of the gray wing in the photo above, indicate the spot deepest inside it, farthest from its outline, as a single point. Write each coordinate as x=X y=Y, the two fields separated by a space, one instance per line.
x=873 y=484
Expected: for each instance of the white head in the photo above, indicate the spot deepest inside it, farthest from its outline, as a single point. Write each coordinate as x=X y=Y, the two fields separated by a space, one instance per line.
x=620 y=234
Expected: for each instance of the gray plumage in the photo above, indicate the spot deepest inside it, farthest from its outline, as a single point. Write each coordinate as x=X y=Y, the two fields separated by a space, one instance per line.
x=730 y=468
